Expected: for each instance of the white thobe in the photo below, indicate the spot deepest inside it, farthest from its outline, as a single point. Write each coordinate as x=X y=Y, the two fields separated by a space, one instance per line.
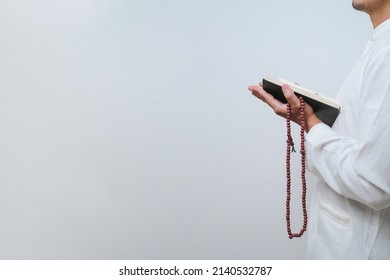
x=350 y=210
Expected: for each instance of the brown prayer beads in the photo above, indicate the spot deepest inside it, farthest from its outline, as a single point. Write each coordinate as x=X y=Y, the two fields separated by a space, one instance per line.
x=290 y=149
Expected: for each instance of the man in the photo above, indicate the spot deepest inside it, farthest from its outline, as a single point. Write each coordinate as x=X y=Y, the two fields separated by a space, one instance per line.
x=350 y=213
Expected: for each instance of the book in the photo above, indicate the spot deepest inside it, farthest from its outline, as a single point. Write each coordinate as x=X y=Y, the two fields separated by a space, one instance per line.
x=325 y=108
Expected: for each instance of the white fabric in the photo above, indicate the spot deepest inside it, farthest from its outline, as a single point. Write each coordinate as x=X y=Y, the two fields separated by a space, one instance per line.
x=350 y=211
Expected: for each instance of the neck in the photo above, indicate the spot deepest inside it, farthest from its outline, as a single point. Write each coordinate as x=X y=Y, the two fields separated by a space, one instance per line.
x=377 y=21
x=380 y=15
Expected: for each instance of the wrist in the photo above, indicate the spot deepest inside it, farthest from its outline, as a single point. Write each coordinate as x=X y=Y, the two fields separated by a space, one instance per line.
x=311 y=121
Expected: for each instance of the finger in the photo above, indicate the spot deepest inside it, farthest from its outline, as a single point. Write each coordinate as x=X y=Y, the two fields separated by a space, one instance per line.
x=292 y=99
x=274 y=103
x=256 y=93
x=260 y=93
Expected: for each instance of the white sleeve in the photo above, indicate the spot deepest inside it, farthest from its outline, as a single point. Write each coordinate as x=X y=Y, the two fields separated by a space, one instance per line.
x=358 y=169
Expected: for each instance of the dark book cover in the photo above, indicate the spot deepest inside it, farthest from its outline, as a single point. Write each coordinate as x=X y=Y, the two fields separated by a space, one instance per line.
x=324 y=111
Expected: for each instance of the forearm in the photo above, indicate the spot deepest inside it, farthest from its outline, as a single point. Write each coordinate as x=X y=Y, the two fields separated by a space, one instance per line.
x=344 y=166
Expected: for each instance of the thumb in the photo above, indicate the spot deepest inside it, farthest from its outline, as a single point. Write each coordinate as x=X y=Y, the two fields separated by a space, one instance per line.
x=290 y=96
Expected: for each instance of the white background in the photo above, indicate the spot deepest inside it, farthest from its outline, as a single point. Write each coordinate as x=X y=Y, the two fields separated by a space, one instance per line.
x=127 y=131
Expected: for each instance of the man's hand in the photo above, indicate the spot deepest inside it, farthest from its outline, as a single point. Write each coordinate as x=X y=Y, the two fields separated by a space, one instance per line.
x=281 y=109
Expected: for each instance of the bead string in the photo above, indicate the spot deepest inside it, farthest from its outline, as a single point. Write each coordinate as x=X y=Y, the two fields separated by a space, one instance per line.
x=290 y=149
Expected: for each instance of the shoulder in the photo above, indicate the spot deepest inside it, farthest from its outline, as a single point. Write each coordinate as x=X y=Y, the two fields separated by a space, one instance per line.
x=380 y=53
x=375 y=81
x=378 y=64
